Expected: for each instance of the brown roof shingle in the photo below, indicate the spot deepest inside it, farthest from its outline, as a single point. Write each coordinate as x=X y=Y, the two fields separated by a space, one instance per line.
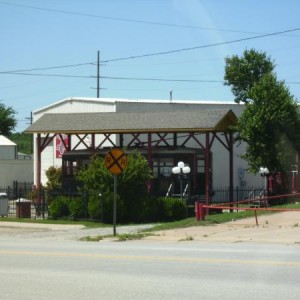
x=121 y=122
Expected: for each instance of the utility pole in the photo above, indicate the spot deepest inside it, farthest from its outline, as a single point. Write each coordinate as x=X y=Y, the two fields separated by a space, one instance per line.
x=98 y=74
x=30 y=123
x=30 y=119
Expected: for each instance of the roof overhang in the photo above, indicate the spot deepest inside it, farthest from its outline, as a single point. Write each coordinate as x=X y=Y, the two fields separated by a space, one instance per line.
x=207 y=120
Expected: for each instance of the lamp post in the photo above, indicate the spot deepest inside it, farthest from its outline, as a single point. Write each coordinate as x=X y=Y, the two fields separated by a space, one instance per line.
x=264 y=172
x=182 y=171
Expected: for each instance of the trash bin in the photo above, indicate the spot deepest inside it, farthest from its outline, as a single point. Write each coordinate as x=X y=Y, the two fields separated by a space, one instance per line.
x=4 y=204
x=23 y=208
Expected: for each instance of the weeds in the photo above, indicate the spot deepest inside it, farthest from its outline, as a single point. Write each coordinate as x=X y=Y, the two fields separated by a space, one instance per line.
x=132 y=236
x=92 y=238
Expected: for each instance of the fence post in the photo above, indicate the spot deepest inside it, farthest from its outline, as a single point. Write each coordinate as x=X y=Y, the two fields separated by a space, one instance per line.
x=44 y=203
x=237 y=197
x=255 y=213
x=86 y=201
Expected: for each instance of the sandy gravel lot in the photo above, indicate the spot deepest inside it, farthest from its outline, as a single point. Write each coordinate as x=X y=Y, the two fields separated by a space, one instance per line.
x=281 y=228
x=274 y=228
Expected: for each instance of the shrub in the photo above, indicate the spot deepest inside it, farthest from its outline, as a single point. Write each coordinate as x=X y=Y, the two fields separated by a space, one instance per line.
x=132 y=188
x=175 y=209
x=105 y=203
x=95 y=207
x=78 y=207
x=154 y=209
x=59 y=207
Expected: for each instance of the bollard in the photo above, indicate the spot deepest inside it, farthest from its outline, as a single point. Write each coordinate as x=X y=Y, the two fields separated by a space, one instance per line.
x=199 y=211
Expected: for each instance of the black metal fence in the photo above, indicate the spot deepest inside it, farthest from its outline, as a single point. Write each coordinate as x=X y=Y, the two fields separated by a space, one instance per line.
x=19 y=204
x=17 y=190
x=222 y=194
x=21 y=192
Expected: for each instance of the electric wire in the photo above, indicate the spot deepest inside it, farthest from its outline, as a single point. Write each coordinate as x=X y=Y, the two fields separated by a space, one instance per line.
x=125 y=19
x=129 y=78
x=47 y=68
x=158 y=53
x=159 y=79
x=46 y=75
x=202 y=46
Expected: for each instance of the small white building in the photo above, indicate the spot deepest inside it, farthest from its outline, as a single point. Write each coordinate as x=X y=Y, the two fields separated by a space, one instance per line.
x=8 y=149
x=13 y=167
x=52 y=154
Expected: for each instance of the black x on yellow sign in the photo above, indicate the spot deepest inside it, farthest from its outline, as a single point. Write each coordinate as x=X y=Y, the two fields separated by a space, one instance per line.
x=116 y=161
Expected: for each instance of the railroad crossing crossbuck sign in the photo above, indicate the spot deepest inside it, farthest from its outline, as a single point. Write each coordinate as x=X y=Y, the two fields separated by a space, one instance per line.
x=116 y=161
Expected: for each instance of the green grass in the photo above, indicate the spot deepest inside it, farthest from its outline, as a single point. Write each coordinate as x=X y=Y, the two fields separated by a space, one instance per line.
x=209 y=220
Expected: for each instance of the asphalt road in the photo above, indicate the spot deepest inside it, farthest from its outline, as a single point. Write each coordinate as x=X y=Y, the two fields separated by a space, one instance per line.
x=31 y=268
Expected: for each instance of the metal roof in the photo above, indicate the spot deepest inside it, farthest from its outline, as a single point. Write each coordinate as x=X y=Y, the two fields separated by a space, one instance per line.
x=4 y=141
x=140 y=101
x=125 y=122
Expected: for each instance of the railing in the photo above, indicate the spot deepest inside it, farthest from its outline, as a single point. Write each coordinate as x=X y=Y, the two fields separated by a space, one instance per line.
x=218 y=196
x=221 y=194
x=17 y=190
x=246 y=205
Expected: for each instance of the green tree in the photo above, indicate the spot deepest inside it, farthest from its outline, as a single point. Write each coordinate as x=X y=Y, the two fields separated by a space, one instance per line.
x=95 y=177
x=131 y=187
x=270 y=126
x=54 y=179
x=241 y=73
x=270 y=122
x=24 y=141
x=7 y=119
x=97 y=180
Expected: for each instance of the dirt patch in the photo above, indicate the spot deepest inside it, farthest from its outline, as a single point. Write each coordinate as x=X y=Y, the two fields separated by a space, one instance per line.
x=274 y=228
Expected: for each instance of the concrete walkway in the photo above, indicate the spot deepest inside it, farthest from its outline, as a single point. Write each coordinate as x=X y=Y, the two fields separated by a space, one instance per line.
x=60 y=232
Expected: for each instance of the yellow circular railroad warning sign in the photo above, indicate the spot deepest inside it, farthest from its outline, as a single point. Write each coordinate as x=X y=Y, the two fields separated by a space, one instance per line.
x=115 y=161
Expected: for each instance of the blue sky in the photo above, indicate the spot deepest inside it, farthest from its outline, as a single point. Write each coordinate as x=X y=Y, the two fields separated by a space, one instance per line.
x=67 y=34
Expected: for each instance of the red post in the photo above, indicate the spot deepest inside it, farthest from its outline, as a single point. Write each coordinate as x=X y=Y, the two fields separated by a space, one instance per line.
x=199 y=211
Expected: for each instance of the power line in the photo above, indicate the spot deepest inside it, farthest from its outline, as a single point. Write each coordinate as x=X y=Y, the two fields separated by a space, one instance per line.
x=109 y=77
x=46 y=75
x=160 y=79
x=202 y=46
x=47 y=68
x=130 y=78
x=156 y=53
x=175 y=80
x=125 y=19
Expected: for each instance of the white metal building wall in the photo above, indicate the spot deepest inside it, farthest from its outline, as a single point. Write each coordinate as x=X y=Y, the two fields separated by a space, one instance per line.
x=69 y=105
x=8 y=152
x=15 y=170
